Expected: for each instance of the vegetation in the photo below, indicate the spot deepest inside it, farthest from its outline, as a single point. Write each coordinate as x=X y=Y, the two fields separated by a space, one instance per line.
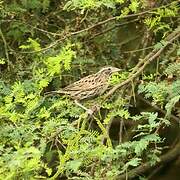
x=46 y=45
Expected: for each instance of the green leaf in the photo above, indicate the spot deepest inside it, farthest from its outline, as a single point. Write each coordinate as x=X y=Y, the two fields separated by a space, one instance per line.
x=74 y=165
x=2 y=61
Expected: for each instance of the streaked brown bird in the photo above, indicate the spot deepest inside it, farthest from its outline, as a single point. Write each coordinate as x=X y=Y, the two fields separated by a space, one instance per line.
x=90 y=86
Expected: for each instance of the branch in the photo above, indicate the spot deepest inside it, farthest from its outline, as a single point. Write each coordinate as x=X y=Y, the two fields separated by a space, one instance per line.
x=112 y=28
x=106 y=21
x=5 y=49
x=43 y=49
x=143 y=63
x=169 y=156
x=69 y=34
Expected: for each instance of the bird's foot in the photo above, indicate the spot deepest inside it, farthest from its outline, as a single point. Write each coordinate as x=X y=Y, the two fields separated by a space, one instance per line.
x=90 y=112
x=96 y=108
x=93 y=110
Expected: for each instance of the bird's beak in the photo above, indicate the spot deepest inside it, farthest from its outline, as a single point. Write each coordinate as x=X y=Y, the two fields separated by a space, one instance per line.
x=116 y=70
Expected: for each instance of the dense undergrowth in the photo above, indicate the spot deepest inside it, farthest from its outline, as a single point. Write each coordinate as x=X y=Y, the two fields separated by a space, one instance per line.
x=46 y=45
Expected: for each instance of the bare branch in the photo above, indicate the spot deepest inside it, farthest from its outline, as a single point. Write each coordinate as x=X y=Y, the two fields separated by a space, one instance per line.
x=5 y=49
x=69 y=34
x=169 y=156
x=143 y=63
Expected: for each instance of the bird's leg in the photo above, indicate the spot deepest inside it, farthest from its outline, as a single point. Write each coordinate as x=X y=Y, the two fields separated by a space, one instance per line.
x=89 y=111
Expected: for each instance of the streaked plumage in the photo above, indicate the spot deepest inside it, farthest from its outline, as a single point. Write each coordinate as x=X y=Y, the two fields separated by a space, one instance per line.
x=90 y=86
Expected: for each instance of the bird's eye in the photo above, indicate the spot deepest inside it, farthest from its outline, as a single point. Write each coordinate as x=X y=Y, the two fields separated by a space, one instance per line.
x=109 y=69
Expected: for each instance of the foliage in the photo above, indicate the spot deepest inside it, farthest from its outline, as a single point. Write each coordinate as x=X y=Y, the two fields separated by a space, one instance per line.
x=46 y=45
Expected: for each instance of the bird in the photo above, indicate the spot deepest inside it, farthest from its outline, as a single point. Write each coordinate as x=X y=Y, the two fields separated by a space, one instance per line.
x=89 y=87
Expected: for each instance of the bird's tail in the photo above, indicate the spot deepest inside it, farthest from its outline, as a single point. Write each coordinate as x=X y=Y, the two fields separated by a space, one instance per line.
x=51 y=93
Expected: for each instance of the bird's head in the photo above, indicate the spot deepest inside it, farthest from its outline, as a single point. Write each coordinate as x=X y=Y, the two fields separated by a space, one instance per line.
x=109 y=70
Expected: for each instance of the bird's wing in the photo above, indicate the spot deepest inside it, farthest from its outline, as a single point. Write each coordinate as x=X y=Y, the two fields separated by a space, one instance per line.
x=86 y=83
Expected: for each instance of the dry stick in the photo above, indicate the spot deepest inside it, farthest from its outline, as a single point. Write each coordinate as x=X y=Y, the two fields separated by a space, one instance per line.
x=88 y=28
x=72 y=34
x=64 y=36
x=46 y=48
x=169 y=156
x=121 y=131
x=99 y=23
x=169 y=37
x=149 y=58
x=112 y=28
x=5 y=49
x=110 y=19
x=137 y=50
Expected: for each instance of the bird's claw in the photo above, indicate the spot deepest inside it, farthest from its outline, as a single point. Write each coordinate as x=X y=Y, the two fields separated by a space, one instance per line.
x=90 y=112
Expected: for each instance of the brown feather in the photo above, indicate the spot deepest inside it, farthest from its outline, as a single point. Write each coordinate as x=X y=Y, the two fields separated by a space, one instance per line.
x=89 y=86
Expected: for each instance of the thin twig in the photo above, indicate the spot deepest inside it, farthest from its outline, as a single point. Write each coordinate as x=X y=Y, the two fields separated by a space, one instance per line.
x=121 y=131
x=112 y=28
x=118 y=17
x=149 y=58
x=63 y=37
x=137 y=50
x=169 y=156
x=44 y=49
x=5 y=49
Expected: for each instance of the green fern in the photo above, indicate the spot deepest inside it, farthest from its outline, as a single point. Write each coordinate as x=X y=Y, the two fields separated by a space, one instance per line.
x=158 y=91
x=173 y=68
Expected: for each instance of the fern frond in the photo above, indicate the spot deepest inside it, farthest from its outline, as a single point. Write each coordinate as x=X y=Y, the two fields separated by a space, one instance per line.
x=173 y=68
